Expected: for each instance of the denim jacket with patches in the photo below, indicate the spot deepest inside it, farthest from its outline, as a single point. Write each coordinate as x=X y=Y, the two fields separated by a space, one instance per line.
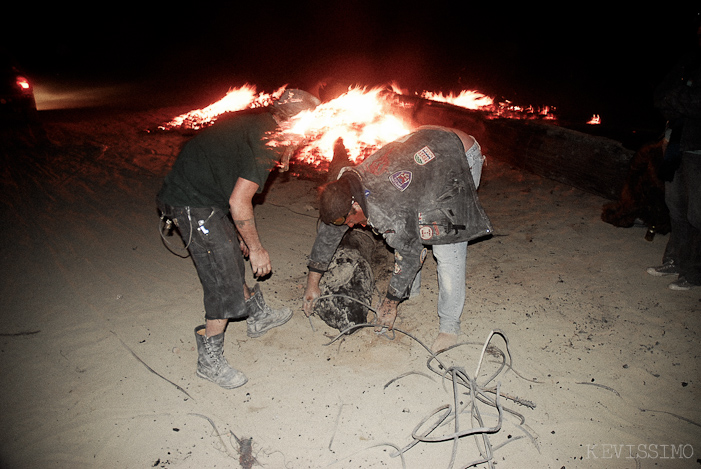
x=418 y=191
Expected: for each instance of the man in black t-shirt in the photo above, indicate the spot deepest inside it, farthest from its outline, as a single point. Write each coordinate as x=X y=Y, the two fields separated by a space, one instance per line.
x=217 y=173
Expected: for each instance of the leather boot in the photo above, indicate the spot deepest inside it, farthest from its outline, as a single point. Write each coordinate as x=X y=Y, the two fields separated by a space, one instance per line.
x=212 y=365
x=261 y=317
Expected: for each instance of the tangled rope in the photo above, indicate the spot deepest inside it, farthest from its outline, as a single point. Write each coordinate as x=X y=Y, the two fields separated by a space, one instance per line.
x=485 y=392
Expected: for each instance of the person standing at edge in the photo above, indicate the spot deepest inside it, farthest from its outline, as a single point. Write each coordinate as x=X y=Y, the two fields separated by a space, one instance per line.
x=217 y=173
x=418 y=190
x=678 y=98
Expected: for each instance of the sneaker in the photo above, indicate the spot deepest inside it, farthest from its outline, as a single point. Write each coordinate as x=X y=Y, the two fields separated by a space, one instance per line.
x=668 y=268
x=681 y=284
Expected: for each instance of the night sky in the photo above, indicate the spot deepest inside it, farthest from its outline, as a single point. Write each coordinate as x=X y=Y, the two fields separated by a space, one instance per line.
x=583 y=61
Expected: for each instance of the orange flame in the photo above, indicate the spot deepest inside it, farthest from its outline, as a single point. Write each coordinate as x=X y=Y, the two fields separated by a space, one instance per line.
x=467 y=98
x=363 y=119
x=237 y=99
x=360 y=117
x=595 y=120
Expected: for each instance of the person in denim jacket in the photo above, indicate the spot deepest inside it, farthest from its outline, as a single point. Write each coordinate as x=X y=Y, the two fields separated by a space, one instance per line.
x=417 y=191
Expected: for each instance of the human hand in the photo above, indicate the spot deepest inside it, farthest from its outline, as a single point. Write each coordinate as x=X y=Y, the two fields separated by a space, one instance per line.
x=310 y=296
x=260 y=262
x=311 y=293
x=386 y=315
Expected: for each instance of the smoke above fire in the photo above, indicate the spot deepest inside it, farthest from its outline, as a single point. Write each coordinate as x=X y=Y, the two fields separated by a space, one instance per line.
x=362 y=119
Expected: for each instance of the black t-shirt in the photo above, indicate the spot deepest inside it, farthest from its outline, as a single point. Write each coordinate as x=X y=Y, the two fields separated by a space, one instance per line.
x=207 y=168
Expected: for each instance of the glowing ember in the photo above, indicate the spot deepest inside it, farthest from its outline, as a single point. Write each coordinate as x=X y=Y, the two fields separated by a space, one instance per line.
x=467 y=99
x=595 y=120
x=23 y=83
x=236 y=99
x=362 y=118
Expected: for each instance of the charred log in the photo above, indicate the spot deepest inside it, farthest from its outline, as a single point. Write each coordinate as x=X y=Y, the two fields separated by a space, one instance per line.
x=346 y=290
x=339 y=161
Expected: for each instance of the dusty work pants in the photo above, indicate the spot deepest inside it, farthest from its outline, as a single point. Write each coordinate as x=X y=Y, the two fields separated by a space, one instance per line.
x=211 y=238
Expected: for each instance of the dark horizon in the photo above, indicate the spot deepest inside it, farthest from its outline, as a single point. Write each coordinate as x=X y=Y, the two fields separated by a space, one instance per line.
x=583 y=63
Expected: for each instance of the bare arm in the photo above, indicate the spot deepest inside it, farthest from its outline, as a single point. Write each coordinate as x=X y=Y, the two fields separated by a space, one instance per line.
x=241 y=207
x=312 y=292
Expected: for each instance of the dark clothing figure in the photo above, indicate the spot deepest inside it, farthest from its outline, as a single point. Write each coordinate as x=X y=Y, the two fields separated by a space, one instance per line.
x=208 y=166
x=216 y=174
x=678 y=98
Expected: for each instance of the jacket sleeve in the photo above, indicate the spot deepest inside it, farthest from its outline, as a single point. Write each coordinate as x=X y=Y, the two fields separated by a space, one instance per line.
x=327 y=240
x=407 y=262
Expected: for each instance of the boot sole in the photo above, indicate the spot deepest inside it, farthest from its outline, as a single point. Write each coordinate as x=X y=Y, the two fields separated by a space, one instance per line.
x=245 y=380
x=257 y=334
x=675 y=287
x=656 y=273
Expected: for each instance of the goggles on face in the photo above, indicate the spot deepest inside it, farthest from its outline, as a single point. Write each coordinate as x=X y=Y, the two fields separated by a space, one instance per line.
x=342 y=220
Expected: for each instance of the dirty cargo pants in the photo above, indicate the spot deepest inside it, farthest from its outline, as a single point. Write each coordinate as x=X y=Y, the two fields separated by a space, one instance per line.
x=211 y=238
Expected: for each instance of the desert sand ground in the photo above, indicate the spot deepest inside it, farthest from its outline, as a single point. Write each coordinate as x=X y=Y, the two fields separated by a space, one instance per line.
x=98 y=352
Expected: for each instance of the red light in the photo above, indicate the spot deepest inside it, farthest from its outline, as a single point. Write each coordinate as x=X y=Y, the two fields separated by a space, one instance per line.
x=23 y=83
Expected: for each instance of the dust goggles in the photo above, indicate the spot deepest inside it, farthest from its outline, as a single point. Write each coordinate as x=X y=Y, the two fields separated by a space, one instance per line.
x=342 y=220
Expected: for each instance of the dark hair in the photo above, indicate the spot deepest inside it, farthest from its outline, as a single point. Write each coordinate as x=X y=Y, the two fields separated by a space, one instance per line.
x=335 y=200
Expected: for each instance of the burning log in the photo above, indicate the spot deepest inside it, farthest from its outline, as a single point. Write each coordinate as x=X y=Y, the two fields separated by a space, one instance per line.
x=364 y=120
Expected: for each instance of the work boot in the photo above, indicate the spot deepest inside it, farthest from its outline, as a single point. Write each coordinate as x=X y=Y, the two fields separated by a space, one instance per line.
x=444 y=341
x=668 y=268
x=261 y=317
x=211 y=363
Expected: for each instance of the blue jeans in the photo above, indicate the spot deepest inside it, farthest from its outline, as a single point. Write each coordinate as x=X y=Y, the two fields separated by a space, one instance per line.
x=450 y=259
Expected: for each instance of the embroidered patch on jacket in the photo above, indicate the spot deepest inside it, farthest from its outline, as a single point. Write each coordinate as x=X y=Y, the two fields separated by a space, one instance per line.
x=397 y=259
x=401 y=179
x=423 y=156
x=426 y=232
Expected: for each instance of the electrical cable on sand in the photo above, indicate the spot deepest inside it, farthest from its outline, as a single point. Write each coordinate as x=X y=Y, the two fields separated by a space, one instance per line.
x=478 y=392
